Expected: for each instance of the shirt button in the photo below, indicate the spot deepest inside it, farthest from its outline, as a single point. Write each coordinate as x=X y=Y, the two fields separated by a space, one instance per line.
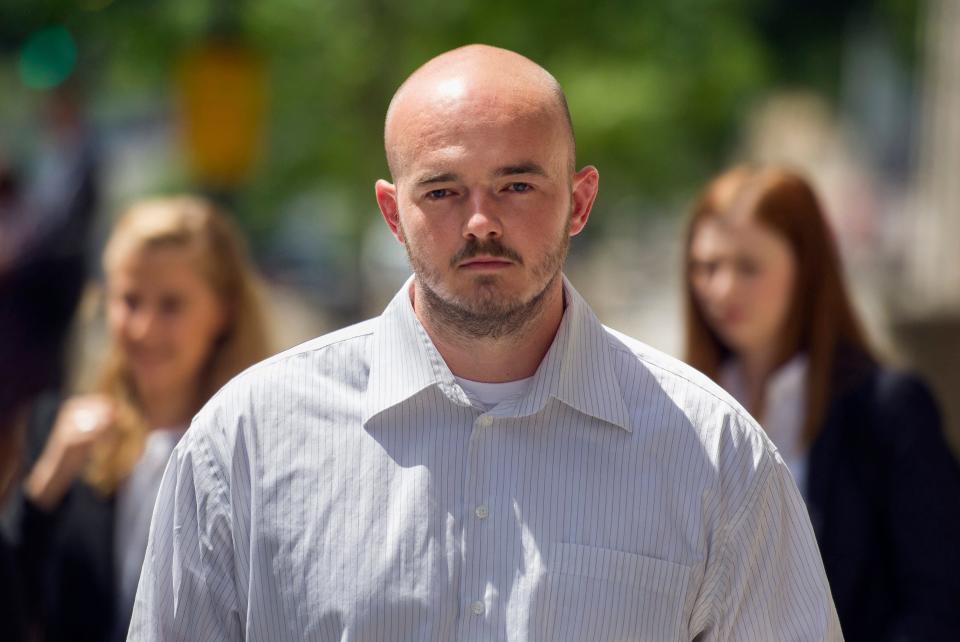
x=485 y=420
x=481 y=511
x=477 y=608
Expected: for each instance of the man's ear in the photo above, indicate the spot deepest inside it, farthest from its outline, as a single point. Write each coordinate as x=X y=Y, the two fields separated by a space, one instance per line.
x=586 y=183
x=387 y=201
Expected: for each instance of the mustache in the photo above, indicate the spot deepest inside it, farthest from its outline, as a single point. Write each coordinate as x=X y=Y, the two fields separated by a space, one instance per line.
x=473 y=247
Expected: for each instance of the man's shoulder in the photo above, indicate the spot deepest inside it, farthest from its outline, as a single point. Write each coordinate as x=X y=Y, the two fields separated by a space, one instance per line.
x=663 y=393
x=689 y=414
x=675 y=377
x=328 y=345
x=309 y=355
x=298 y=379
x=337 y=356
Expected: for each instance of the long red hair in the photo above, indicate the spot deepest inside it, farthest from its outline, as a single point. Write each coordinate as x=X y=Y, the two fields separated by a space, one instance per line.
x=821 y=321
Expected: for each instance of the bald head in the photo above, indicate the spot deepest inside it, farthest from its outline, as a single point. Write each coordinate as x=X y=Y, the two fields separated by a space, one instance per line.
x=475 y=83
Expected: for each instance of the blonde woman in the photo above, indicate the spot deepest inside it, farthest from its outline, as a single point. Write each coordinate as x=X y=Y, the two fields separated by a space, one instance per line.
x=184 y=316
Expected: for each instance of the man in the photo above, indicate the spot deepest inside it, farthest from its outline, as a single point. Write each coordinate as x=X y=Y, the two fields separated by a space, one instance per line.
x=485 y=460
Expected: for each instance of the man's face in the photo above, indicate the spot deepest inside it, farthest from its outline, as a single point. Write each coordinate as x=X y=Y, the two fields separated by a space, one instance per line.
x=484 y=205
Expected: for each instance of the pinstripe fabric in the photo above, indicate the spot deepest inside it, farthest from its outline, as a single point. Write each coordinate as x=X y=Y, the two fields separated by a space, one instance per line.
x=346 y=490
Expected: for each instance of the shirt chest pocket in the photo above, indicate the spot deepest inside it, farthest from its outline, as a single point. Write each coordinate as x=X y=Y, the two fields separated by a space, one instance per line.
x=604 y=595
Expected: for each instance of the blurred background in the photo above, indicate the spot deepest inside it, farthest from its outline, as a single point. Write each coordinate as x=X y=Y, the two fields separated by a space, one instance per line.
x=276 y=109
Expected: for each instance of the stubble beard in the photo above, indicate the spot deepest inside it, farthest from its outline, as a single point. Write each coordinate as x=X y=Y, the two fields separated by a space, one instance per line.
x=487 y=314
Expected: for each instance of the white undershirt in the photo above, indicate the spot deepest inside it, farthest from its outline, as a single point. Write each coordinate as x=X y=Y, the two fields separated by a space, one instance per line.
x=784 y=410
x=488 y=395
x=135 y=499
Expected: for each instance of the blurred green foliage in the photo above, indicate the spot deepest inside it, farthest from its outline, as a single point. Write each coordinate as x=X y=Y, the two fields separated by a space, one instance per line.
x=657 y=88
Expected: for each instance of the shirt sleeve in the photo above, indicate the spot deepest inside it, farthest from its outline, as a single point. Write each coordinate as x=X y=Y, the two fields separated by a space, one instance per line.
x=771 y=584
x=187 y=589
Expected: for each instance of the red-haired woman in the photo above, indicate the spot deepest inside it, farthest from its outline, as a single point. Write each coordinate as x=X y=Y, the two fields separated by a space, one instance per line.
x=769 y=318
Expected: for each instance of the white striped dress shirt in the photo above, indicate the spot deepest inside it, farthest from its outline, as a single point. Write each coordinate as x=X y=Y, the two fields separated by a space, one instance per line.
x=347 y=490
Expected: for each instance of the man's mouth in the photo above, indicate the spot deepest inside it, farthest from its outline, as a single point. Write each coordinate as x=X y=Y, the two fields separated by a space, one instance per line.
x=490 y=255
x=485 y=263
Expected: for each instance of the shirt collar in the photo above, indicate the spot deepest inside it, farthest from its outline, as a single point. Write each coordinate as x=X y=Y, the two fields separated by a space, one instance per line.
x=578 y=369
x=403 y=360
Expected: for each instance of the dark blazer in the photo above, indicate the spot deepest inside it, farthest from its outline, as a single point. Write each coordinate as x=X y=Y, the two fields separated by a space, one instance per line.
x=13 y=621
x=69 y=568
x=883 y=493
x=67 y=557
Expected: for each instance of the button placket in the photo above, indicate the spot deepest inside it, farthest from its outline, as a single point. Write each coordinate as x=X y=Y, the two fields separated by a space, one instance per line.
x=477 y=608
x=482 y=511
x=476 y=533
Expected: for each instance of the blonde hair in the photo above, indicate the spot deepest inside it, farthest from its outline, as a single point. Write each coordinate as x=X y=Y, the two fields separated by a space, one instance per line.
x=194 y=223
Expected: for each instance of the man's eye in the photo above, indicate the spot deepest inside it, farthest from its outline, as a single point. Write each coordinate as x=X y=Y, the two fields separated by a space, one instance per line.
x=436 y=194
x=519 y=187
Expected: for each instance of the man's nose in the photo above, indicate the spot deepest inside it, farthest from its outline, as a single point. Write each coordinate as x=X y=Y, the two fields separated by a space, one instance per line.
x=483 y=221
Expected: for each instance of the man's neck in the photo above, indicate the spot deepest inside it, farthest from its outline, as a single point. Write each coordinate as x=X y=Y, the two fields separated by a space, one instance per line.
x=501 y=359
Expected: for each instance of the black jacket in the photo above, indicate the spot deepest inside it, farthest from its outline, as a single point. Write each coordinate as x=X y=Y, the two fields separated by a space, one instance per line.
x=13 y=621
x=69 y=568
x=67 y=555
x=883 y=493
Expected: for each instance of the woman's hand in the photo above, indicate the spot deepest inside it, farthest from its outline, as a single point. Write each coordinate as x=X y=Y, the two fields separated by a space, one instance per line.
x=81 y=423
